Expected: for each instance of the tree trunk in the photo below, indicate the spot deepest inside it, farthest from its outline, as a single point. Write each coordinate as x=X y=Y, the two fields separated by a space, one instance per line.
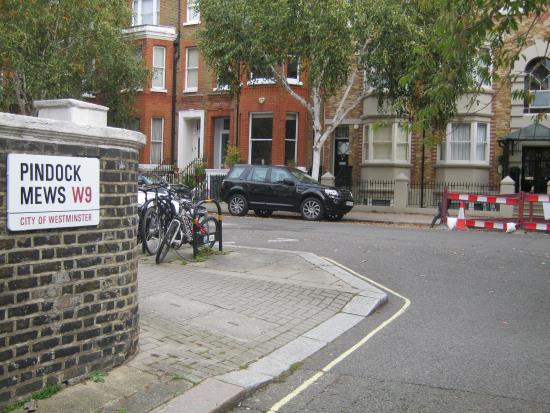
x=316 y=162
x=20 y=96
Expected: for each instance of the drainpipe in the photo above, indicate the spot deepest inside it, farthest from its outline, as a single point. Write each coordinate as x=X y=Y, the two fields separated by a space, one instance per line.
x=237 y=114
x=422 y=166
x=175 y=86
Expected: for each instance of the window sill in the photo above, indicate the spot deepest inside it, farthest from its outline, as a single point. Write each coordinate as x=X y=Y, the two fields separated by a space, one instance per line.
x=261 y=81
x=387 y=162
x=463 y=164
x=193 y=23
x=221 y=89
x=294 y=82
x=192 y=90
x=158 y=90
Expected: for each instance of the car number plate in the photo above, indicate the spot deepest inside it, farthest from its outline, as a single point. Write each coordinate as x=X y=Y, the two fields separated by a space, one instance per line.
x=349 y=203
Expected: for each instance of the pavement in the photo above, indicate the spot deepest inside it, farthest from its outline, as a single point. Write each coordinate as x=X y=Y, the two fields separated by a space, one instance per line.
x=367 y=214
x=214 y=330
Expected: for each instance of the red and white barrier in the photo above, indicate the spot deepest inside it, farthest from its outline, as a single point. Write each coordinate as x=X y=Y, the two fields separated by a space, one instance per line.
x=538 y=198
x=528 y=223
x=536 y=226
x=490 y=199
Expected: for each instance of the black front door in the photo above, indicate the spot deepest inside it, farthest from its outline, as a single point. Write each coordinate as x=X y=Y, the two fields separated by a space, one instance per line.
x=535 y=171
x=342 y=170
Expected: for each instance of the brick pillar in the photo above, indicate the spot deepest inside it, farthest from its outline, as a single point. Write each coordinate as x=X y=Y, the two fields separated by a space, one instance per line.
x=68 y=296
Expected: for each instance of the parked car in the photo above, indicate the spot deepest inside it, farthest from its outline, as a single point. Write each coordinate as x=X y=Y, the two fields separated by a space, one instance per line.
x=265 y=189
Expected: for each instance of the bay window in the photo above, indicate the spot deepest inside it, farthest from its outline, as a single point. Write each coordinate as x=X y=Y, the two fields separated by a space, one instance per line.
x=466 y=142
x=145 y=12
x=386 y=142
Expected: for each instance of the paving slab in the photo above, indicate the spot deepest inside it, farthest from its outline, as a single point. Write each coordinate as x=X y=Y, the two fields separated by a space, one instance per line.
x=212 y=331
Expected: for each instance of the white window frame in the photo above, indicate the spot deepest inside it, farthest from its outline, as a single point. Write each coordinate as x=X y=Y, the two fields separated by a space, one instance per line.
x=156 y=141
x=367 y=149
x=137 y=17
x=188 y=69
x=541 y=97
x=474 y=144
x=250 y=140
x=295 y=140
x=190 y=10
x=294 y=80
x=161 y=66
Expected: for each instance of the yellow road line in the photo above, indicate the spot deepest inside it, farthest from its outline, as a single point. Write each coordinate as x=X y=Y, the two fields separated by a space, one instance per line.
x=309 y=382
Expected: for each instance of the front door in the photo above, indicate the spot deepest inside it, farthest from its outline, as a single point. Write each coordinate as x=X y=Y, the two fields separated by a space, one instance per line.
x=221 y=141
x=535 y=169
x=342 y=170
x=196 y=138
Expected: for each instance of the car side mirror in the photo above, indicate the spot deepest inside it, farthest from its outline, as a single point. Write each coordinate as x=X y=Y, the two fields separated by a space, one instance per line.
x=288 y=182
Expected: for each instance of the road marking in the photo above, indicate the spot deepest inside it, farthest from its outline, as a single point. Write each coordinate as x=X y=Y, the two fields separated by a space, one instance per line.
x=309 y=382
x=282 y=240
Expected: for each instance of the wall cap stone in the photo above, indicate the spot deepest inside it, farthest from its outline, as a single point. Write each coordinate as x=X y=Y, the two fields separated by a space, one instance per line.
x=54 y=103
x=18 y=126
x=72 y=110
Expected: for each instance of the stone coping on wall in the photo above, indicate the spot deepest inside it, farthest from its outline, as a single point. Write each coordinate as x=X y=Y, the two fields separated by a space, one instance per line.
x=17 y=126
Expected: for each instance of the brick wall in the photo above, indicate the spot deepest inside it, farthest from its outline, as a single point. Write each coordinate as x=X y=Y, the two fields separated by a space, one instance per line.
x=68 y=301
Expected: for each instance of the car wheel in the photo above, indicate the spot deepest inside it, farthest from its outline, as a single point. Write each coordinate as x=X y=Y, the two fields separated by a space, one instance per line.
x=312 y=209
x=237 y=204
x=264 y=213
x=333 y=216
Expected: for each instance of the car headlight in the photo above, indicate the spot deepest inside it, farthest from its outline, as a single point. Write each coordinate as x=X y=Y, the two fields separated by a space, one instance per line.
x=332 y=192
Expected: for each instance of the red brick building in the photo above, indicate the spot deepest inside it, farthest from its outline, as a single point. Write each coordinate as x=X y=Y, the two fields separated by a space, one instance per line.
x=186 y=116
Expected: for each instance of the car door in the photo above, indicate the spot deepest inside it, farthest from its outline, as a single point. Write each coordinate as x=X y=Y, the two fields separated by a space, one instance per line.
x=282 y=190
x=258 y=187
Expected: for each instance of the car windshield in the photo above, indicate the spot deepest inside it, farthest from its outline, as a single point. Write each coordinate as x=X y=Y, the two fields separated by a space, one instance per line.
x=302 y=177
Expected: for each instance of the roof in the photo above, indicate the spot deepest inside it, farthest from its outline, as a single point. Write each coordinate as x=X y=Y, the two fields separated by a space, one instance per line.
x=534 y=132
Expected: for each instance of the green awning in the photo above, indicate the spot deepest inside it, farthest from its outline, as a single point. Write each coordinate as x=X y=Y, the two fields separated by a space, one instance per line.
x=534 y=132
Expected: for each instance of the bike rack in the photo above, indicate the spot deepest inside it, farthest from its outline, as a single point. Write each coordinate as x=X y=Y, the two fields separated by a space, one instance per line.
x=218 y=226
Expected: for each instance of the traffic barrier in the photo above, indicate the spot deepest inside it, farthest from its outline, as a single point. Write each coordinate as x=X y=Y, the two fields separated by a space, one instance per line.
x=461 y=219
x=509 y=224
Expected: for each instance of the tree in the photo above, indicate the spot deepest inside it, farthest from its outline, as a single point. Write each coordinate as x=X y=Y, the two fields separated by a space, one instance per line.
x=261 y=36
x=64 y=49
x=420 y=56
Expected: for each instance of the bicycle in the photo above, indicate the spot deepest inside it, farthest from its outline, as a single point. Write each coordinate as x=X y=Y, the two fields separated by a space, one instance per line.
x=190 y=226
x=156 y=215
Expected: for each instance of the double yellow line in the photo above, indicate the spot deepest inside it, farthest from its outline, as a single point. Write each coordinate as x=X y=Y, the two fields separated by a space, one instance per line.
x=309 y=382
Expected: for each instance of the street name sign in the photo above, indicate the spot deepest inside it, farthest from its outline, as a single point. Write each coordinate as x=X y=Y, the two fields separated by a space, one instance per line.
x=52 y=192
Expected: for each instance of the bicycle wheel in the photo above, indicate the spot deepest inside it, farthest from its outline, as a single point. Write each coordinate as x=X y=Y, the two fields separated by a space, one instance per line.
x=166 y=242
x=208 y=227
x=152 y=230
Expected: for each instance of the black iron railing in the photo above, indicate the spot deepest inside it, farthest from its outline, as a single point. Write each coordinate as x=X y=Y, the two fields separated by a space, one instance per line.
x=374 y=192
x=430 y=194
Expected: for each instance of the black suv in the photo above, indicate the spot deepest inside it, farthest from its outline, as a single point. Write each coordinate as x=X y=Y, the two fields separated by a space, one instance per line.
x=265 y=189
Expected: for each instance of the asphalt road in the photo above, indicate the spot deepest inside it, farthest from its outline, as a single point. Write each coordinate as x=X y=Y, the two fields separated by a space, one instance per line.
x=476 y=337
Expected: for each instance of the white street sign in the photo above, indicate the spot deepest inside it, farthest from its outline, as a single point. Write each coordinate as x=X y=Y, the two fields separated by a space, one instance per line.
x=52 y=192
